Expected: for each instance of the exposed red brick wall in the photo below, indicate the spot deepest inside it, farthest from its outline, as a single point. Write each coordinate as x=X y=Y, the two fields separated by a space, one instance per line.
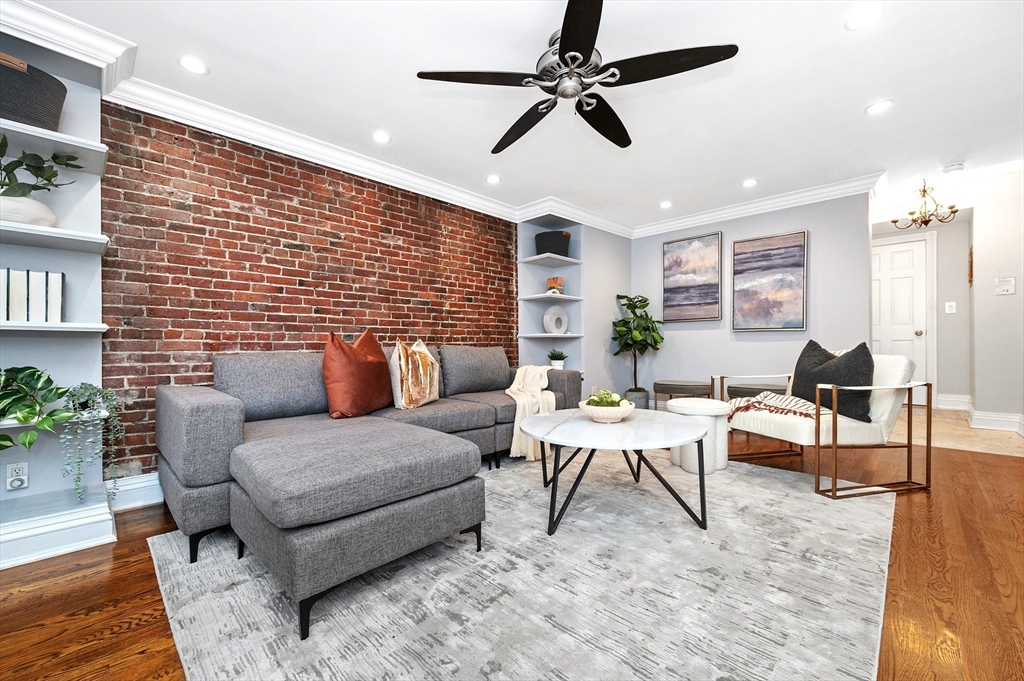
x=217 y=245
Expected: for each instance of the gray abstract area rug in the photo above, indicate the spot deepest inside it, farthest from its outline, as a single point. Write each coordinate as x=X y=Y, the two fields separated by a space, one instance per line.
x=784 y=584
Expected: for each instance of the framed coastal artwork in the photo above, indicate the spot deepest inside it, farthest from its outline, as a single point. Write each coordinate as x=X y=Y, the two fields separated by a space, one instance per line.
x=692 y=278
x=769 y=276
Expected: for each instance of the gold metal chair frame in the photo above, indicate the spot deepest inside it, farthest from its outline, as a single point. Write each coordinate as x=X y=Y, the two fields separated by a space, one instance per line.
x=836 y=492
x=767 y=454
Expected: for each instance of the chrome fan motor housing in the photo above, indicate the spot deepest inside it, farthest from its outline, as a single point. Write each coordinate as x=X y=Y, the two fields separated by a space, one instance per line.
x=550 y=67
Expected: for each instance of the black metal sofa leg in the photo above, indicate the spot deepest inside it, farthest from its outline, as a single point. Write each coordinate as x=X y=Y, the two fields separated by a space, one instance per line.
x=476 y=529
x=194 y=539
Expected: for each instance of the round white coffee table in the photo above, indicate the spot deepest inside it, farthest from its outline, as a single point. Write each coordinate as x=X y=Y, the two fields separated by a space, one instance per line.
x=713 y=415
x=645 y=429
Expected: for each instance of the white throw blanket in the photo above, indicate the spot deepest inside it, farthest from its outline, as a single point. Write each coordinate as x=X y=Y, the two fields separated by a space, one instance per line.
x=528 y=391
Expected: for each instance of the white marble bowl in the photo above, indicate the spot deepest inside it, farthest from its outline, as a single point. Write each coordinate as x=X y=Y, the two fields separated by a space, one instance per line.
x=607 y=414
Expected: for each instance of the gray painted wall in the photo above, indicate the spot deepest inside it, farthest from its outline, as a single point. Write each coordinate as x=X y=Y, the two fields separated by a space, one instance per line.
x=837 y=294
x=606 y=272
x=998 y=233
x=953 y=340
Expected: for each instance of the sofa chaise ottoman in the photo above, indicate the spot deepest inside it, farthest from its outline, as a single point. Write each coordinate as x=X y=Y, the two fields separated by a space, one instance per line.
x=317 y=520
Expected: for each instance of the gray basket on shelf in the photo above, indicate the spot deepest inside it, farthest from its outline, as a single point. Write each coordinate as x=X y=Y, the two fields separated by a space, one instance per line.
x=28 y=95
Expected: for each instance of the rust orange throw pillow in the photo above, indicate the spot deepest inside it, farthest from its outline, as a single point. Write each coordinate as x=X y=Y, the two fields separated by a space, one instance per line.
x=356 y=376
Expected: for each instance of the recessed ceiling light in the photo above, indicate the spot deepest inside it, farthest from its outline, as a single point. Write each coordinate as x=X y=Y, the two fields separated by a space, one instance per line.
x=749 y=183
x=493 y=179
x=665 y=204
x=879 y=107
x=193 y=65
x=382 y=137
x=863 y=15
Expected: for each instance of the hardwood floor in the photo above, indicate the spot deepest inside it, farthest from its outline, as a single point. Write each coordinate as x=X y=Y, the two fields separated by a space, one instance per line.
x=954 y=605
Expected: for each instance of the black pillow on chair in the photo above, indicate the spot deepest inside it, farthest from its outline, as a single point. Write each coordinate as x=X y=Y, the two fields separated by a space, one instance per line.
x=818 y=365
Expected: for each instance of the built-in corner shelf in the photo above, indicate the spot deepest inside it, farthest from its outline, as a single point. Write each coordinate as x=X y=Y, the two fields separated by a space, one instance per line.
x=19 y=234
x=553 y=336
x=552 y=298
x=550 y=260
x=92 y=156
x=53 y=326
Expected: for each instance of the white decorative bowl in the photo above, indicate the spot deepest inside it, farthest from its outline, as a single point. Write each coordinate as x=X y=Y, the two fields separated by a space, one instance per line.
x=606 y=414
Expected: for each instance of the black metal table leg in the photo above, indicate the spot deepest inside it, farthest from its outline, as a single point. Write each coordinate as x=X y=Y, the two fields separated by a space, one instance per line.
x=554 y=520
x=629 y=462
x=702 y=521
x=544 y=463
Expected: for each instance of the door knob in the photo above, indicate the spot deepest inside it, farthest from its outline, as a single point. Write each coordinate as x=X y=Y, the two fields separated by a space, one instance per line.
x=919 y=333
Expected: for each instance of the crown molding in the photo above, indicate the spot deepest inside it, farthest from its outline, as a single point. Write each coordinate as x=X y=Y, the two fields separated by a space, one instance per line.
x=568 y=211
x=115 y=57
x=144 y=96
x=857 y=185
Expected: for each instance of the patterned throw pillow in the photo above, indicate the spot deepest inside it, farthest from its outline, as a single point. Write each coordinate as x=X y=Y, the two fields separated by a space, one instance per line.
x=414 y=375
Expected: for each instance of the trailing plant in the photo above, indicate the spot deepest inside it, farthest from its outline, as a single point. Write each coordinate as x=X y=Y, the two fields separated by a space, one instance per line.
x=637 y=332
x=45 y=175
x=25 y=392
x=557 y=355
x=97 y=423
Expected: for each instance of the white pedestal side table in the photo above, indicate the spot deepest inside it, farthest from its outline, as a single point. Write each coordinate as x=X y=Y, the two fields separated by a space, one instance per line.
x=713 y=415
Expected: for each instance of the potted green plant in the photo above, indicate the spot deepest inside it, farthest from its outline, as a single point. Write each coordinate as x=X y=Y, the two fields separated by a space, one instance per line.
x=91 y=416
x=557 y=359
x=16 y=202
x=636 y=333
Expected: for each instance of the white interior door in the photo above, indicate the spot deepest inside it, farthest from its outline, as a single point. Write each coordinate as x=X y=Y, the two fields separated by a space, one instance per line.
x=899 y=305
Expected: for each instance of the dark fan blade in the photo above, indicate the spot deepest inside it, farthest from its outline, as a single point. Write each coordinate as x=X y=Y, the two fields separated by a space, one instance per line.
x=661 y=64
x=579 y=29
x=522 y=126
x=603 y=119
x=479 y=77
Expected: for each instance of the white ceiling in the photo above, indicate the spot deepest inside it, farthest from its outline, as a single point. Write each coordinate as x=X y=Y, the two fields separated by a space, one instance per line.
x=787 y=110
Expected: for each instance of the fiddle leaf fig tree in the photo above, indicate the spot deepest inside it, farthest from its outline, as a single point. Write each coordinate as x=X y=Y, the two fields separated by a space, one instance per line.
x=637 y=332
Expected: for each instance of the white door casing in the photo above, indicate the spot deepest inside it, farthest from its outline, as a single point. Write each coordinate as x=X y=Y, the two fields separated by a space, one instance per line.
x=902 y=279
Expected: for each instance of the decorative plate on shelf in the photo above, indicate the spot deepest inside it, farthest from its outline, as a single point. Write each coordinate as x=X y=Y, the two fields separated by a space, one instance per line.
x=556 y=320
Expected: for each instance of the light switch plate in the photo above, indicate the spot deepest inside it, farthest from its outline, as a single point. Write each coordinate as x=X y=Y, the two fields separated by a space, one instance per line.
x=951 y=308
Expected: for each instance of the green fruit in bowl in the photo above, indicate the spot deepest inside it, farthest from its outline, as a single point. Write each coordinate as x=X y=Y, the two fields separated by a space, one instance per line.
x=606 y=398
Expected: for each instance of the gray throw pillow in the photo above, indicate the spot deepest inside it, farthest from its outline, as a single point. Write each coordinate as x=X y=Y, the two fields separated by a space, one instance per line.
x=818 y=365
x=469 y=369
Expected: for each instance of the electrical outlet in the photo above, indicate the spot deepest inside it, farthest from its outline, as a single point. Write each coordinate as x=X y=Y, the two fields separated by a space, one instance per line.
x=17 y=475
x=951 y=308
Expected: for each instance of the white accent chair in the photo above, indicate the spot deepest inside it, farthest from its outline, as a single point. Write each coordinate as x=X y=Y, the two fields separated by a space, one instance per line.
x=890 y=385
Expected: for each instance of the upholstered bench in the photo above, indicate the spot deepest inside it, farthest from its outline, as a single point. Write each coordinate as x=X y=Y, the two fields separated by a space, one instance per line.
x=321 y=506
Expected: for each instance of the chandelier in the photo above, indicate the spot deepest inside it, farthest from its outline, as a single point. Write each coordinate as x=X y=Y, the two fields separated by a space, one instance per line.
x=923 y=216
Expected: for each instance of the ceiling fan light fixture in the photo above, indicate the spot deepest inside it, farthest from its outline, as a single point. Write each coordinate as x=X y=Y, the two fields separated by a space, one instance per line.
x=381 y=137
x=193 y=64
x=665 y=204
x=863 y=14
x=879 y=107
x=493 y=179
x=750 y=183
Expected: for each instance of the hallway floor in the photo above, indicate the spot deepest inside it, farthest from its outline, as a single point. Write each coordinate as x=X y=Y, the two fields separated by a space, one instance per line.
x=951 y=430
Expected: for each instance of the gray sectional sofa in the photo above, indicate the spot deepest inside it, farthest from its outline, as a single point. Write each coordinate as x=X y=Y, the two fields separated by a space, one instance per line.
x=279 y=397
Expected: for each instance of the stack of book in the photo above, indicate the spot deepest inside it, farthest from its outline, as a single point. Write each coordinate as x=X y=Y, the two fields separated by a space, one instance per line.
x=27 y=296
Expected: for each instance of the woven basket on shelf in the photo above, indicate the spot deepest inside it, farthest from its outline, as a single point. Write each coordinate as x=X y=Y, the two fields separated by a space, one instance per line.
x=28 y=95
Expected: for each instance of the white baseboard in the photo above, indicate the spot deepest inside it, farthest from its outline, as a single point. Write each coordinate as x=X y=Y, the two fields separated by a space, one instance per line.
x=25 y=541
x=992 y=420
x=953 y=402
x=136 y=492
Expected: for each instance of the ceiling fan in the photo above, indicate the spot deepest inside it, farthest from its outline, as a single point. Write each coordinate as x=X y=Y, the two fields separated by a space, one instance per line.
x=571 y=66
